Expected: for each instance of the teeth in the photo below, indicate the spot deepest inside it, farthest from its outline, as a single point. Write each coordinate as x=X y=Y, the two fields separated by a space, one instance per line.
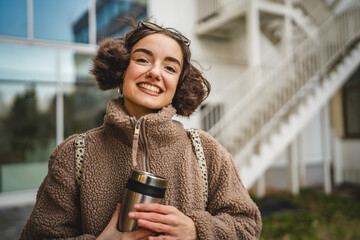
x=149 y=87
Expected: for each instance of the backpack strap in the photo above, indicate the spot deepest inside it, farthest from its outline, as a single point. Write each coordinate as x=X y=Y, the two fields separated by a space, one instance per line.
x=79 y=145
x=200 y=156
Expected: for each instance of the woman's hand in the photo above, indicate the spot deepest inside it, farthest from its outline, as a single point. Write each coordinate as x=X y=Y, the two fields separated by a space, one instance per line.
x=112 y=233
x=164 y=219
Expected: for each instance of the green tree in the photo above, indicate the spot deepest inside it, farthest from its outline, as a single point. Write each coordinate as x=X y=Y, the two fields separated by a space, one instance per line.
x=24 y=128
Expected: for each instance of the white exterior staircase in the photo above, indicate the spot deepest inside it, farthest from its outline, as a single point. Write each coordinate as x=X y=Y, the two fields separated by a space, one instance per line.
x=269 y=151
x=258 y=123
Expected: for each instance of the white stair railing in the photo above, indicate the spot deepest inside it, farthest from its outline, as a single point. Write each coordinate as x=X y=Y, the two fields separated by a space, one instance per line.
x=207 y=9
x=318 y=10
x=232 y=93
x=251 y=120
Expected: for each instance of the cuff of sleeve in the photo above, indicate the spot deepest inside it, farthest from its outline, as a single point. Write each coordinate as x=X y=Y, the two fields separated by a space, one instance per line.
x=202 y=224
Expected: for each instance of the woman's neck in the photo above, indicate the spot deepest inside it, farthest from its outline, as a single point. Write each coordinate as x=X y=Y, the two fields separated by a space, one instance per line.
x=136 y=110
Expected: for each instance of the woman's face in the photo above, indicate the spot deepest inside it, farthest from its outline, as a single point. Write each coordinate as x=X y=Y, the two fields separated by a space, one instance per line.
x=153 y=73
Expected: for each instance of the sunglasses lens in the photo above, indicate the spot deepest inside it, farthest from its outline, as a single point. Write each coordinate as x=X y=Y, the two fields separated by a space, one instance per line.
x=151 y=26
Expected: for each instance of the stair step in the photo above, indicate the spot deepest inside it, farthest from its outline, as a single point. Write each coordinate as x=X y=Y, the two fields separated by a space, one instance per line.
x=276 y=144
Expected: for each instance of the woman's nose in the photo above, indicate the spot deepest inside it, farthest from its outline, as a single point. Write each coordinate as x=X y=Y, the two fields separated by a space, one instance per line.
x=154 y=73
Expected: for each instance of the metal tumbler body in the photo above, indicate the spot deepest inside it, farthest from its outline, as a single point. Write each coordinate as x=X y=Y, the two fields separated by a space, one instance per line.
x=142 y=187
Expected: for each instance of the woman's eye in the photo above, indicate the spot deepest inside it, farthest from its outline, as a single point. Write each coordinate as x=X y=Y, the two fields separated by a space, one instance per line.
x=171 y=69
x=142 y=60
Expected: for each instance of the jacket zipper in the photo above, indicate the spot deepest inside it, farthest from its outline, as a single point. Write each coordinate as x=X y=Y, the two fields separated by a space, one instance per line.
x=138 y=134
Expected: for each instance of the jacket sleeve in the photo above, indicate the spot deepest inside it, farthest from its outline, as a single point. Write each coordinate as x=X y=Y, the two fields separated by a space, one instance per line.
x=231 y=213
x=57 y=209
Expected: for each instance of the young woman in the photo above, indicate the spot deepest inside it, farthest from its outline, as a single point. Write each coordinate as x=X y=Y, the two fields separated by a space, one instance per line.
x=151 y=67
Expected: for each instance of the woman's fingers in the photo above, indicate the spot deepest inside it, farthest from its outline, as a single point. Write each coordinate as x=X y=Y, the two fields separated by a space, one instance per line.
x=141 y=233
x=155 y=207
x=164 y=219
x=111 y=232
x=155 y=226
x=154 y=217
x=161 y=237
x=157 y=213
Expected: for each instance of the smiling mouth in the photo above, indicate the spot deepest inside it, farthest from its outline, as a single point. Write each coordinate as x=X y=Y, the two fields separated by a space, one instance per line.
x=150 y=88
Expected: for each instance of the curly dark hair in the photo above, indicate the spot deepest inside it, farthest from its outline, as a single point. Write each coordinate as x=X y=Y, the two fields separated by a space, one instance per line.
x=113 y=56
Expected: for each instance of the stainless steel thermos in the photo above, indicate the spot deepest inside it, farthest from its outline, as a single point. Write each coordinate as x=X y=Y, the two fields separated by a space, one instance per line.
x=142 y=187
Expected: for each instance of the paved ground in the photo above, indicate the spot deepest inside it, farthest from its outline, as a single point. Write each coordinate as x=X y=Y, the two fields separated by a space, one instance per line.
x=12 y=221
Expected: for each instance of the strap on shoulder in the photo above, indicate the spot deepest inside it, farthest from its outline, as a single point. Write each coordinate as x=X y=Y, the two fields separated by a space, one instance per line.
x=200 y=156
x=79 y=145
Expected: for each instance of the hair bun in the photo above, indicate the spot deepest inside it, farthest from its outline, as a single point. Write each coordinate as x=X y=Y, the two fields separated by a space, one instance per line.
x=110 y=63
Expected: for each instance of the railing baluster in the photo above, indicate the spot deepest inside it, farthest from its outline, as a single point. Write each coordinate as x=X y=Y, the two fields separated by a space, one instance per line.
x=246 y=122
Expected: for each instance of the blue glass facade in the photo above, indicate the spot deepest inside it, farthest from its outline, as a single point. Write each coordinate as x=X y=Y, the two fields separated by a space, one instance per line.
x=46 y=90
x=13 y=18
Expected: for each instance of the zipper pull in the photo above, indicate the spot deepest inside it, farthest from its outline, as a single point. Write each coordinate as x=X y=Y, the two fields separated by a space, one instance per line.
x=137 y=127
x=135 y=142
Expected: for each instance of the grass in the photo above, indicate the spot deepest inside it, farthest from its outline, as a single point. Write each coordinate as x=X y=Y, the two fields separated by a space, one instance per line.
x=311 y=215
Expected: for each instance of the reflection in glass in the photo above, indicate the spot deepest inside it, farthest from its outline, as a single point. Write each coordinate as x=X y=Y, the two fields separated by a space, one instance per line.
x=84 y=103
x=13 y=18
x=27 y=126
x=27 y=122
x=54 y=19
x=27 y=63
x=109 y=14
x=84 y=107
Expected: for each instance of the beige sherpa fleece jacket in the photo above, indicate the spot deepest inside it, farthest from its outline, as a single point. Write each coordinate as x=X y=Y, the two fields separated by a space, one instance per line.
x=62 y=210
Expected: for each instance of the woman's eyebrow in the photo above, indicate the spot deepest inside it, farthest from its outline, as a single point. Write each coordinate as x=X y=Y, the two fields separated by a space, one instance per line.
x=144 y=50
x=172 y=59
x=148 y=52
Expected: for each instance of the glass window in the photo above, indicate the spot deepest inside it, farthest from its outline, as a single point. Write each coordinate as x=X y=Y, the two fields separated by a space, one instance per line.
x=25 y=63
x=351 y=97
x=109 y=16
x=84 y=103
x=27 y=114
x=58 y=20
x=84 y=107
x=27 y=126
x=13 y=18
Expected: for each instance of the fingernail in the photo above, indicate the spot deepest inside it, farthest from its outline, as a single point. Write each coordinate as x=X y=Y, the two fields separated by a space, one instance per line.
x=137 y=206
x=131 y=215
x=140 y=222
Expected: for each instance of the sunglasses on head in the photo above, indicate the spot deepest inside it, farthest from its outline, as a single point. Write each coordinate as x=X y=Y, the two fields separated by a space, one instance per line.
x=155 y=27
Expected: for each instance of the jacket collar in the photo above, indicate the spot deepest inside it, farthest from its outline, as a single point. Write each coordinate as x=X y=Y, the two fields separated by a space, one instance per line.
x=155 y=125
